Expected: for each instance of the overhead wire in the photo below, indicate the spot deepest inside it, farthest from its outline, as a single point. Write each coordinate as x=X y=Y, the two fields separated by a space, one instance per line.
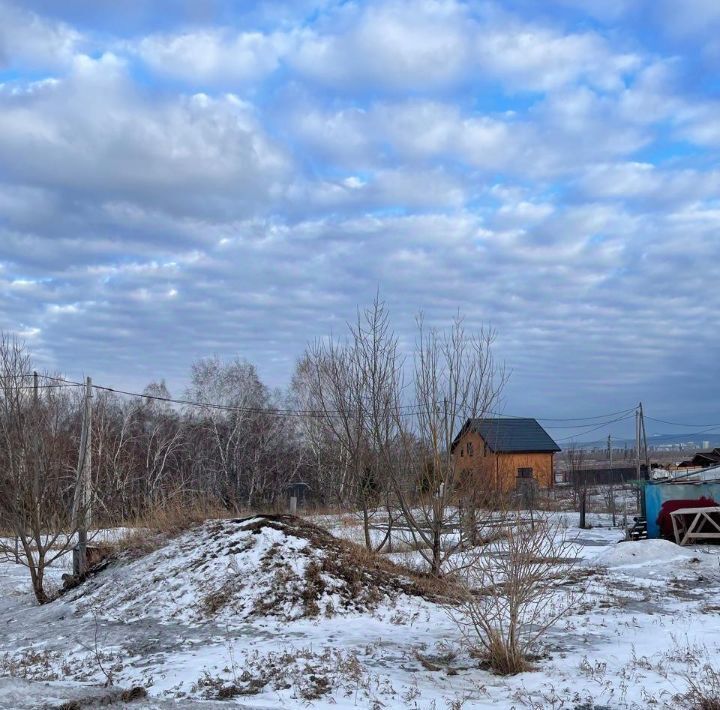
x=279 y=411
x=692 y=426
x=407 y=410
x=612 y=421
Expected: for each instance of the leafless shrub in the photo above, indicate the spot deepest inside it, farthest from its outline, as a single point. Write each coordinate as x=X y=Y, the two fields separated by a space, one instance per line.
x=511 y=594
x=703 y=691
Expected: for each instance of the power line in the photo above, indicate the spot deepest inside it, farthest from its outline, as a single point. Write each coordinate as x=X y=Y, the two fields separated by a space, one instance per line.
x=44 y=387
x=612 y=421
x=692 y=426
x=690 y=433
x=569 y=419
x=594 y=425
x=412 y=409
x=277 y=411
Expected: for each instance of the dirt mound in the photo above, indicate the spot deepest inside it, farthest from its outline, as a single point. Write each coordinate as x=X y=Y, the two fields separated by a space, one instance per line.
x=229 y=571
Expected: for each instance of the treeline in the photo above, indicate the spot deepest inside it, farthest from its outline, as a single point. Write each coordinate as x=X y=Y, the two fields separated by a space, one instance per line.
x=364 y=427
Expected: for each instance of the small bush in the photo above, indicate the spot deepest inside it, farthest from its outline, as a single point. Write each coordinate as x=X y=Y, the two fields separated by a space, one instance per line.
x=512 y=594
x=703 y=692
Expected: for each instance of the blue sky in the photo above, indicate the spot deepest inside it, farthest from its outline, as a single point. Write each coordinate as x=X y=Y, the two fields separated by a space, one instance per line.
x=179 y=179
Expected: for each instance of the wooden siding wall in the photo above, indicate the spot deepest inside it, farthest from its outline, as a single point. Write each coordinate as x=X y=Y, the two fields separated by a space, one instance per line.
x=500 y=471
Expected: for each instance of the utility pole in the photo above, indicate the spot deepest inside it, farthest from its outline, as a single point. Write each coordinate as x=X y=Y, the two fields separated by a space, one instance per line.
x=612 y=482
x=644 y=439
x=640 y=434
x=82 y=511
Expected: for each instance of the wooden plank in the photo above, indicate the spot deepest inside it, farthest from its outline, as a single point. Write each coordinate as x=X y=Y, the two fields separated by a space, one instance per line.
x=675 y=529
x=691 y=528
x=690 y=511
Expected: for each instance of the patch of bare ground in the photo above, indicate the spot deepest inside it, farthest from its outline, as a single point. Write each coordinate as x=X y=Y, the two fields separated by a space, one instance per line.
x=116 y=697
x=339 y=575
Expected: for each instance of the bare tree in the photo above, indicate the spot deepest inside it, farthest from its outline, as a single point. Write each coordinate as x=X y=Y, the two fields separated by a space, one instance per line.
x=38 y=452
x=455 y=378
x=245 y=451
x=355 y=386
x=512 y=594
x=162 y=439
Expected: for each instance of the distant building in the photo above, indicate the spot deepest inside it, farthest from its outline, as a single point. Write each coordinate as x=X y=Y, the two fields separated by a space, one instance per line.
x=504 y=454
x=702 y=459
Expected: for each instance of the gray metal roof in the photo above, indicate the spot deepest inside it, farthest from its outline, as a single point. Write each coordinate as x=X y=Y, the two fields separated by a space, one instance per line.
x=511 y=435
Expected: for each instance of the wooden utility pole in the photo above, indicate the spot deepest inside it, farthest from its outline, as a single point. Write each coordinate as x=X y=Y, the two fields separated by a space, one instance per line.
x=612 y=482
x=82 y=509
x=637 y=446
x=644 y=439
x=640 y=434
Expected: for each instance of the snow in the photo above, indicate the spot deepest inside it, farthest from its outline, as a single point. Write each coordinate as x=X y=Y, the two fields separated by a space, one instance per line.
x=214 y=609
x=643 y=553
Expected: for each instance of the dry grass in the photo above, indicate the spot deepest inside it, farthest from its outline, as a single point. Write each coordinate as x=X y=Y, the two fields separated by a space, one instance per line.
x=156 y=525
x=703 y=691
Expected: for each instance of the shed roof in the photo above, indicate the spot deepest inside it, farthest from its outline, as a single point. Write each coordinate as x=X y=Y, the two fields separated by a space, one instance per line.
x=508 y=435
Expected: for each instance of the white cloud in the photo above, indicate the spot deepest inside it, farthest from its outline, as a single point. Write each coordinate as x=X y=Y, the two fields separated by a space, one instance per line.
x=213 y=55
x=93 y=132
x=401 y=45
x=28 y=40
x=431 y=44
x=633 y=180
x=256 y=208
x=559 y=135
x=538 y=58
x=698 y=123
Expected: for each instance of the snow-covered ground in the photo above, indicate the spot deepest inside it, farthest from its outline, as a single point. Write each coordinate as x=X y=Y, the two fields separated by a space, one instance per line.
x=264 y=617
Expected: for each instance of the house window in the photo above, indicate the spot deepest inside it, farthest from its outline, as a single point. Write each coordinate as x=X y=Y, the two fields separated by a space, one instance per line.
x=462 y=453
x=470 y=448
x=525 y=473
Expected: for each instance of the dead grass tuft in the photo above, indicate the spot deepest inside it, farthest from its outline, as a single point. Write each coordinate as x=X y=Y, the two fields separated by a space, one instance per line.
x=703 y=691
x=155 y=526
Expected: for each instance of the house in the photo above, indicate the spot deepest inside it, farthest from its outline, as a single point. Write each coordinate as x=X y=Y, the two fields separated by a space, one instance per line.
x=702 y=458
x=503 y=454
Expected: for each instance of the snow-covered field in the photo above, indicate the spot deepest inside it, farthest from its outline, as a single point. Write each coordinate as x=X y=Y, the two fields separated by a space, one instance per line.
x=267 y=617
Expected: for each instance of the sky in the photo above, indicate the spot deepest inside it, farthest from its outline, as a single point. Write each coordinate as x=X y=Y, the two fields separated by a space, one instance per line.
x=180 y=179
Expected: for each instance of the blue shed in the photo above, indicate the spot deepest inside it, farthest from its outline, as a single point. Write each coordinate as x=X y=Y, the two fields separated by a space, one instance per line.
x=658 y=492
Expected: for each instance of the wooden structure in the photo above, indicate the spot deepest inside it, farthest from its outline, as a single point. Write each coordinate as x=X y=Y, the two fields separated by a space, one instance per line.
x=695 y=524
x=702 y=459
x=602 y=475
x=502 y=455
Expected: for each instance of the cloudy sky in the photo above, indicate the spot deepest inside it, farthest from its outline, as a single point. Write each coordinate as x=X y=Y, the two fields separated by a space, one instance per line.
x=183 y=178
